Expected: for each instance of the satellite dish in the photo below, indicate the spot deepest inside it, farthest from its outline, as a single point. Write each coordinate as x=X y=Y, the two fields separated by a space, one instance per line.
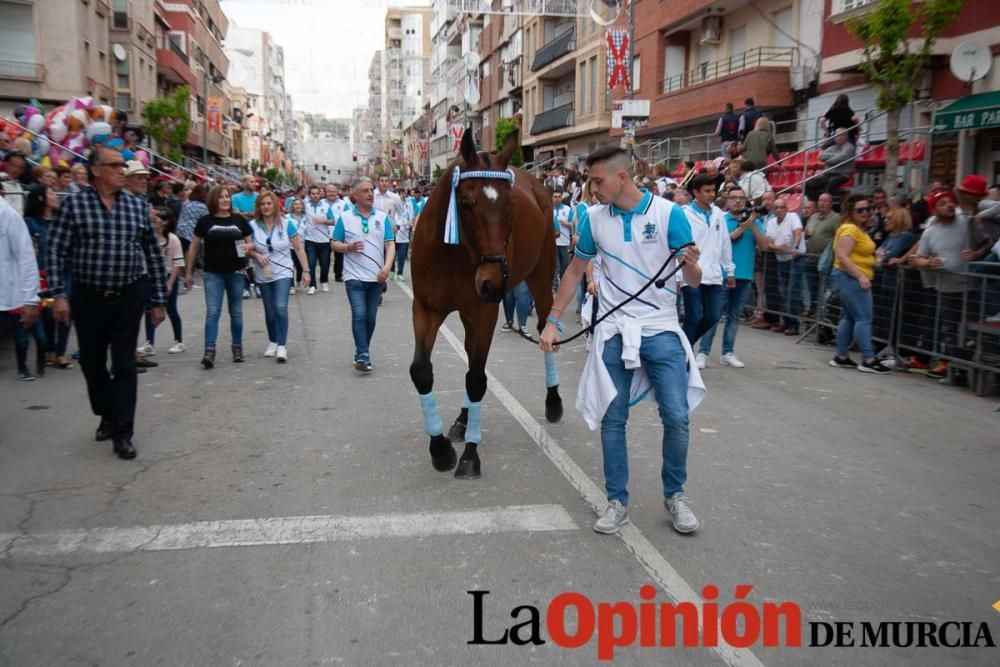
x=472 y=90
x=970 y=61
x=596 y=17
x=119 y=52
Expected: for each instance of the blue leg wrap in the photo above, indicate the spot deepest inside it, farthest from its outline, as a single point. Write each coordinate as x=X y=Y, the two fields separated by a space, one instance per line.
x=432 y=421
x=472 y=430
x=551 y=372
x=465 y=401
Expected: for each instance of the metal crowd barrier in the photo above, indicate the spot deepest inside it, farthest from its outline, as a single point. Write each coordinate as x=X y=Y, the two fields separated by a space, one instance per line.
x=912 y=318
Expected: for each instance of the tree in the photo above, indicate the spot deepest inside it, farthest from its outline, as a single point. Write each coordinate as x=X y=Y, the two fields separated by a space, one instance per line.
x=504 y=128
x=168 y=121
x=437 y=172
x=895 y=65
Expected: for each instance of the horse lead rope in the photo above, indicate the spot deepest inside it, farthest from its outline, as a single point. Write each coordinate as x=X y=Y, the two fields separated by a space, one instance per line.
x=660 y=282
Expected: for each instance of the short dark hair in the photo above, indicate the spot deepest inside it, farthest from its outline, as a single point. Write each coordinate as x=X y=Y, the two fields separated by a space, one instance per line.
x=603 y=155
x=748 y=101
x=60 y=170
x=729 y=107
x=748 y=165
x=700 y=181
x=164 y=213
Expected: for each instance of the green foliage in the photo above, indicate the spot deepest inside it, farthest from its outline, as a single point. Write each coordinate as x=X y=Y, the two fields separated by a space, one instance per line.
x=504 y=128
x=168 y=122
x=274 y=176
x=437 y=172
x=888 y=58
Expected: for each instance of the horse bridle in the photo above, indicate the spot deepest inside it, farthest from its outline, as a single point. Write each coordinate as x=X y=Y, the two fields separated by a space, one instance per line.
x=451 y=226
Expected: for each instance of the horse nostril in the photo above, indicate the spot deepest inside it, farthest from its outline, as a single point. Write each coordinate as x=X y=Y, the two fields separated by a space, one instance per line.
x=487 y=288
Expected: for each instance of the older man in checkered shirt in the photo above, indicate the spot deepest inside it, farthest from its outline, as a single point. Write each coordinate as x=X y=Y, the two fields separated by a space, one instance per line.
x=104 y=262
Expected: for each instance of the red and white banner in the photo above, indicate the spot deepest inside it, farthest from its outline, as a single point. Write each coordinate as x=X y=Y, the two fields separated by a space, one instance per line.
x=618 y=58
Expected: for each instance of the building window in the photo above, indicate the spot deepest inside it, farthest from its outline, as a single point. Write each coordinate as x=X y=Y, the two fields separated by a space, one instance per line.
x=848 y=5
x=582 y=85
x=17 y=32
x=593 y=84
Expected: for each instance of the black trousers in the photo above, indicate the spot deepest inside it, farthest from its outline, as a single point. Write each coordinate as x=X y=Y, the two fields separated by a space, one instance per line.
x=103 y=323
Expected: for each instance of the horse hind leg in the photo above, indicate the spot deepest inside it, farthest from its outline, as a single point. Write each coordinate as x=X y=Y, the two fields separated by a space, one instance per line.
x=425 y=325
x=539 y=282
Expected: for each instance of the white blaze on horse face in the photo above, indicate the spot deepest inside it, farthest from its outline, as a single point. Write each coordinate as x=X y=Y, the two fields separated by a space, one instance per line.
x=491 y=193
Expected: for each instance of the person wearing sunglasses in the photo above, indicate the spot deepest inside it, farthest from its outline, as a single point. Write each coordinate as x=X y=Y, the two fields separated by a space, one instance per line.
x=853 y=270
x=103 y=242
x=365 y=236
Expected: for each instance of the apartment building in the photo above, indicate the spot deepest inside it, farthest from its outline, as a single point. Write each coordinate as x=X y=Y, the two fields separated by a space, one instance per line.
x=961 y=143
x=54 y=50
x=374 y=116
x=258 y=66
x=406 y=61
x=693 y=57
x=501 y=52
x=567 y=108
x=454 y=75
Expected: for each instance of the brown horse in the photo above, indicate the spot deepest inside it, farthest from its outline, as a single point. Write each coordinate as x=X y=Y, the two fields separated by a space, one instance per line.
x=503 y=235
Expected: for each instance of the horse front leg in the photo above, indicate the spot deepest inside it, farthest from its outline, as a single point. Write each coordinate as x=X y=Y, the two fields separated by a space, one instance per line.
x=540 y=284
x=478 y=338
x=426 y=323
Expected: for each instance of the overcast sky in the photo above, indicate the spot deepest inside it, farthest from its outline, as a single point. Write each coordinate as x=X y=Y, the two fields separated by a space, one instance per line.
x=328 y=46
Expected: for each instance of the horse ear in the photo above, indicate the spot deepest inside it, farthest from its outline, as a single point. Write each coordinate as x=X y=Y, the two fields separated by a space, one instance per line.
x=468 y=147
x=509 y=148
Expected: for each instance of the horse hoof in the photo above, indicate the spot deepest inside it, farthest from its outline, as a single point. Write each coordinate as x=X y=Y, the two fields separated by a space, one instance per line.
x=468 y=465
x=457 y=432
x=442 y=453
x=553 y=405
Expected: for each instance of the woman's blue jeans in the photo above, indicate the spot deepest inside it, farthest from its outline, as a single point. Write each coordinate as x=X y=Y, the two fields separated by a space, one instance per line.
x=217 y=284
x=402 y=252
x=663 y=358
x=275 y=297
x=734 y=300
x=363 y=297
x=856 y=319
x=517 y=300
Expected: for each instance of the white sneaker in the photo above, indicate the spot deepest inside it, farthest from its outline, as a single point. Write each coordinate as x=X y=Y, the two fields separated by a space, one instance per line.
x=176 y=348
x=701 y=361
x=312 y=290
x=731 y=359
x=282 y=354
x=614 y=517
x=246 y=294
x=292 y=291
x=272 y=349
x=145 y=350
x=326 y=287
x=679 y=508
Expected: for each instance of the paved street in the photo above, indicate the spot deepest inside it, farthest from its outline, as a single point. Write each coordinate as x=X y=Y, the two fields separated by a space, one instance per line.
x=858 y=497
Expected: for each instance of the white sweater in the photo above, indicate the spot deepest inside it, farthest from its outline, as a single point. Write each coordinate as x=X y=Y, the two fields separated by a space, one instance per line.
x=18 y=266
x=711 y=235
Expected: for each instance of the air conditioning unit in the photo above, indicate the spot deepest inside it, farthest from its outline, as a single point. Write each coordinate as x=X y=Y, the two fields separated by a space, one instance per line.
x=711 y=30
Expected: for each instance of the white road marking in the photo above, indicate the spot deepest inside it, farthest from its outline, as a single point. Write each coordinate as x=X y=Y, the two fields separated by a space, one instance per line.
x=491 y=193
x=287 y=530
x=670 y=581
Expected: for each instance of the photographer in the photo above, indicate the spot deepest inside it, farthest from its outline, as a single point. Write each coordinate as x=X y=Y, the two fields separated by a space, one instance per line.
x=740 y=220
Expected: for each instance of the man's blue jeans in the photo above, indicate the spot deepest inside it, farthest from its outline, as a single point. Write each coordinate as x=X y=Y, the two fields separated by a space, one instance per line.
x=217 y=284
x=402 y=252
x=275 y=297
x=517 y=300
x=663 y=358
x=562 y=263
x=702 y=309
x=733 y=308
x=856 y=319
x=790 y=276
x=363 y=297
x=321 y=252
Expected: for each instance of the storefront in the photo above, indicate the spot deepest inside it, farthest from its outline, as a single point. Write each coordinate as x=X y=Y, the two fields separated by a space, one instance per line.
x=975 y=119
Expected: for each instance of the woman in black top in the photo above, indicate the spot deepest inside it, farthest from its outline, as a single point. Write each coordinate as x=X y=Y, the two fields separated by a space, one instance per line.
x=226 y=237
x=840 y=115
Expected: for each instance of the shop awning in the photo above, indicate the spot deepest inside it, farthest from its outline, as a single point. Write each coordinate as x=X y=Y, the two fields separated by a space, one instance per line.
x=972 y=112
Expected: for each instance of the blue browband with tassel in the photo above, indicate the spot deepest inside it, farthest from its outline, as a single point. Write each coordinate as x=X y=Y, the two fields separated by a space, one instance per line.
x=457 y=176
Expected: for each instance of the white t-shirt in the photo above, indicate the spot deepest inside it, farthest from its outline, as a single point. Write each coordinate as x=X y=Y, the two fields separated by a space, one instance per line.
x=375 y=231
x=783 y=234
x=317 y=232
x=277 y=246
x=562 y=222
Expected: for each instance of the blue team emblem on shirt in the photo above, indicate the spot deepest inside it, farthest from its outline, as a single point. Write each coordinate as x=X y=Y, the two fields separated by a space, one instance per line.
x=378 y=224
x=649 y=233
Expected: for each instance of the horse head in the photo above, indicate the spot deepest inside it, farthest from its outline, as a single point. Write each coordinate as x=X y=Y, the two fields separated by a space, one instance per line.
x=485 y=208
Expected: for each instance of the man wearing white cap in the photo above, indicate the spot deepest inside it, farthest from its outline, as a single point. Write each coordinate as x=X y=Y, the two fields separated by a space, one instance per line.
x=136 y=179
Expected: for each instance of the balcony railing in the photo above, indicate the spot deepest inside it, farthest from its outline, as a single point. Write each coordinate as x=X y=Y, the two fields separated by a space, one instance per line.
x=177 y=51
x=553 y=119
x=764 y=56
x=552 y=51
x=12 y=69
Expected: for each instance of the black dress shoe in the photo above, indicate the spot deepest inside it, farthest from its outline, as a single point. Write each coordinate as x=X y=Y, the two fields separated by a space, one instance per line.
x=145 y=363
x=103 y=430
x=125 y=449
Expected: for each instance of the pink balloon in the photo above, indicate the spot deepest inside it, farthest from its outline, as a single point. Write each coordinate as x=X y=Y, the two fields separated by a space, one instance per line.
x=143 y=157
